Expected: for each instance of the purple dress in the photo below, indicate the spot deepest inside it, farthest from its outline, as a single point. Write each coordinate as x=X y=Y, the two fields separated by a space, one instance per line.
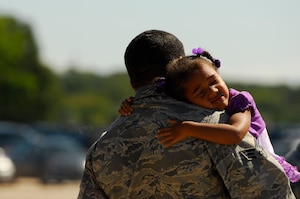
x=240 y=101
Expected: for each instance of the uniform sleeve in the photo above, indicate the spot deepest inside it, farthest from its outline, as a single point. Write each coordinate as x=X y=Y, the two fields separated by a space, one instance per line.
x=240 y=102
x=249 y=172
x=89 y=189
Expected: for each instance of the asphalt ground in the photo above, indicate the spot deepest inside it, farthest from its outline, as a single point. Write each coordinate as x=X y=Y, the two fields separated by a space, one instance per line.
x=31 y=188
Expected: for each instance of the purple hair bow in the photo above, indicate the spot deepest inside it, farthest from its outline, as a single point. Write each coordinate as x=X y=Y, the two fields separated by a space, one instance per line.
x=217 y=63
x=197 y=51
x=160 y=83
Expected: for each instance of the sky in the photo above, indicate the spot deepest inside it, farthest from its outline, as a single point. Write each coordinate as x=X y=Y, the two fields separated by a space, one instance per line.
x=257 y=41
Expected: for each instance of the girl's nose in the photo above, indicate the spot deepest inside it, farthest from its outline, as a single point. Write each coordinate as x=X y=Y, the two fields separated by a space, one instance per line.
x=212 y=91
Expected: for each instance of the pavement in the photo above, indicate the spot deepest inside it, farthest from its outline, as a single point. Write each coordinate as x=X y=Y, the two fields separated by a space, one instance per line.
x=31 y=188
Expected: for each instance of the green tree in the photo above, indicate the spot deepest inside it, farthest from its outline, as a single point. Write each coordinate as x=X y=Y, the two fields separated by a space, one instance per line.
x=29 y=90
x=93 y=99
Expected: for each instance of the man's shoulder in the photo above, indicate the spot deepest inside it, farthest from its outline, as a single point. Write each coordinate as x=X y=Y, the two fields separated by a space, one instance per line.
x=162 y=104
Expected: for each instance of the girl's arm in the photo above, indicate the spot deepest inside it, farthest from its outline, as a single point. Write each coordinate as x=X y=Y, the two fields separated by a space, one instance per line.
x=231 y=133
x=125 y=108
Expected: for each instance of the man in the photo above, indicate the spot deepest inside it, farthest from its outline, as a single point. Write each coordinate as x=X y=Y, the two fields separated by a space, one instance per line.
x=128 y=162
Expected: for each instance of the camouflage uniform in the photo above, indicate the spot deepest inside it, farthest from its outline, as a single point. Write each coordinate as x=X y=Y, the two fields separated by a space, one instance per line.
x=128 y=162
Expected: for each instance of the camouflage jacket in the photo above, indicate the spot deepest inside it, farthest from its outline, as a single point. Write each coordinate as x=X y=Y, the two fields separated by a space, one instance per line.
x=128 y=162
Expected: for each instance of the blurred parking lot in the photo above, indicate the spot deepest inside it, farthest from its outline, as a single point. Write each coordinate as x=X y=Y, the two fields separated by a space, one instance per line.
x=286 y=141
x=42 y=160
x=46 y=161
x=51 y=153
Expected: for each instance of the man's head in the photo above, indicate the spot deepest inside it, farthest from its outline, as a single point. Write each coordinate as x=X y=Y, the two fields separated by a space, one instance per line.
x=148 y=54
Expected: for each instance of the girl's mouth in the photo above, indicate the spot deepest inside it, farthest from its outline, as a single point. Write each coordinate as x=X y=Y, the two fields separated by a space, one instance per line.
x=218 y=99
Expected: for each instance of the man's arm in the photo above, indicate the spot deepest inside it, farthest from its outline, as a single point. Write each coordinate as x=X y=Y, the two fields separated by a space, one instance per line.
x=89 y=189
x=250 y=172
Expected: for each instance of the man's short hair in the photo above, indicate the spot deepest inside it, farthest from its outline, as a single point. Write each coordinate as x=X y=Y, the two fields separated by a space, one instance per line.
x=148 y=54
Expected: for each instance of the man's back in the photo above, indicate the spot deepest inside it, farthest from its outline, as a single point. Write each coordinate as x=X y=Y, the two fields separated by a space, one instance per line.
x=131 y=164
x=128 y=162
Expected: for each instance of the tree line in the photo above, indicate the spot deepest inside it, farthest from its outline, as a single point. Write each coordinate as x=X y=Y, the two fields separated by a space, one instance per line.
x=31 y=91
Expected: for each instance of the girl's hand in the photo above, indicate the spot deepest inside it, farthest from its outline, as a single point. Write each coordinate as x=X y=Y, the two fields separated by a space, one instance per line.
x=170 y=135
x=126 y=109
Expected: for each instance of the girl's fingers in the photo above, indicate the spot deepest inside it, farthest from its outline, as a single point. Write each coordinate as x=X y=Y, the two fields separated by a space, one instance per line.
x=130 y=100
x=127 y=106
x=163 y=133
x=168 y=143
x=173 y=121
x=125 y=109
x=122 y=110
x=165 y=140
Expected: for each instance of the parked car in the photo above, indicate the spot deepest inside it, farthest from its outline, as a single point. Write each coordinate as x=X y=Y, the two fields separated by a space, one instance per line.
x=62 y=158
x=12 y=133
x=285 y=138
x=21 y=144
x=286 y=142
x=48 y=156
x=293 y=157
x=7 y=168
x=73 y=132
x=26 y=157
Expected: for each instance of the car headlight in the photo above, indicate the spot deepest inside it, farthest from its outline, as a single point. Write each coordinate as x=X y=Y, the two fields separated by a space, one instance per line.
x=6 y=165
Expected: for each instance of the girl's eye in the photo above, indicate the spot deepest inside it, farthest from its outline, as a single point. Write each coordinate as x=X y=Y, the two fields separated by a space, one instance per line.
x=213 y=82
x=201 y=93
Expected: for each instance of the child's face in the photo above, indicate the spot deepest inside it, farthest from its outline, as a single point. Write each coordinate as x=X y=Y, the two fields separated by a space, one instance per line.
x=206 y=88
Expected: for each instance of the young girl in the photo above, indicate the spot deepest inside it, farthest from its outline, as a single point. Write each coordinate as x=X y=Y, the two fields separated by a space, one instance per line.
x=195 y=79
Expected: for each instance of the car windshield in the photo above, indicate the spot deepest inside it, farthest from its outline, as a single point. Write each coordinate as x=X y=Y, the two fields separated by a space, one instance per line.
x=61 y=144
x=9 y=140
